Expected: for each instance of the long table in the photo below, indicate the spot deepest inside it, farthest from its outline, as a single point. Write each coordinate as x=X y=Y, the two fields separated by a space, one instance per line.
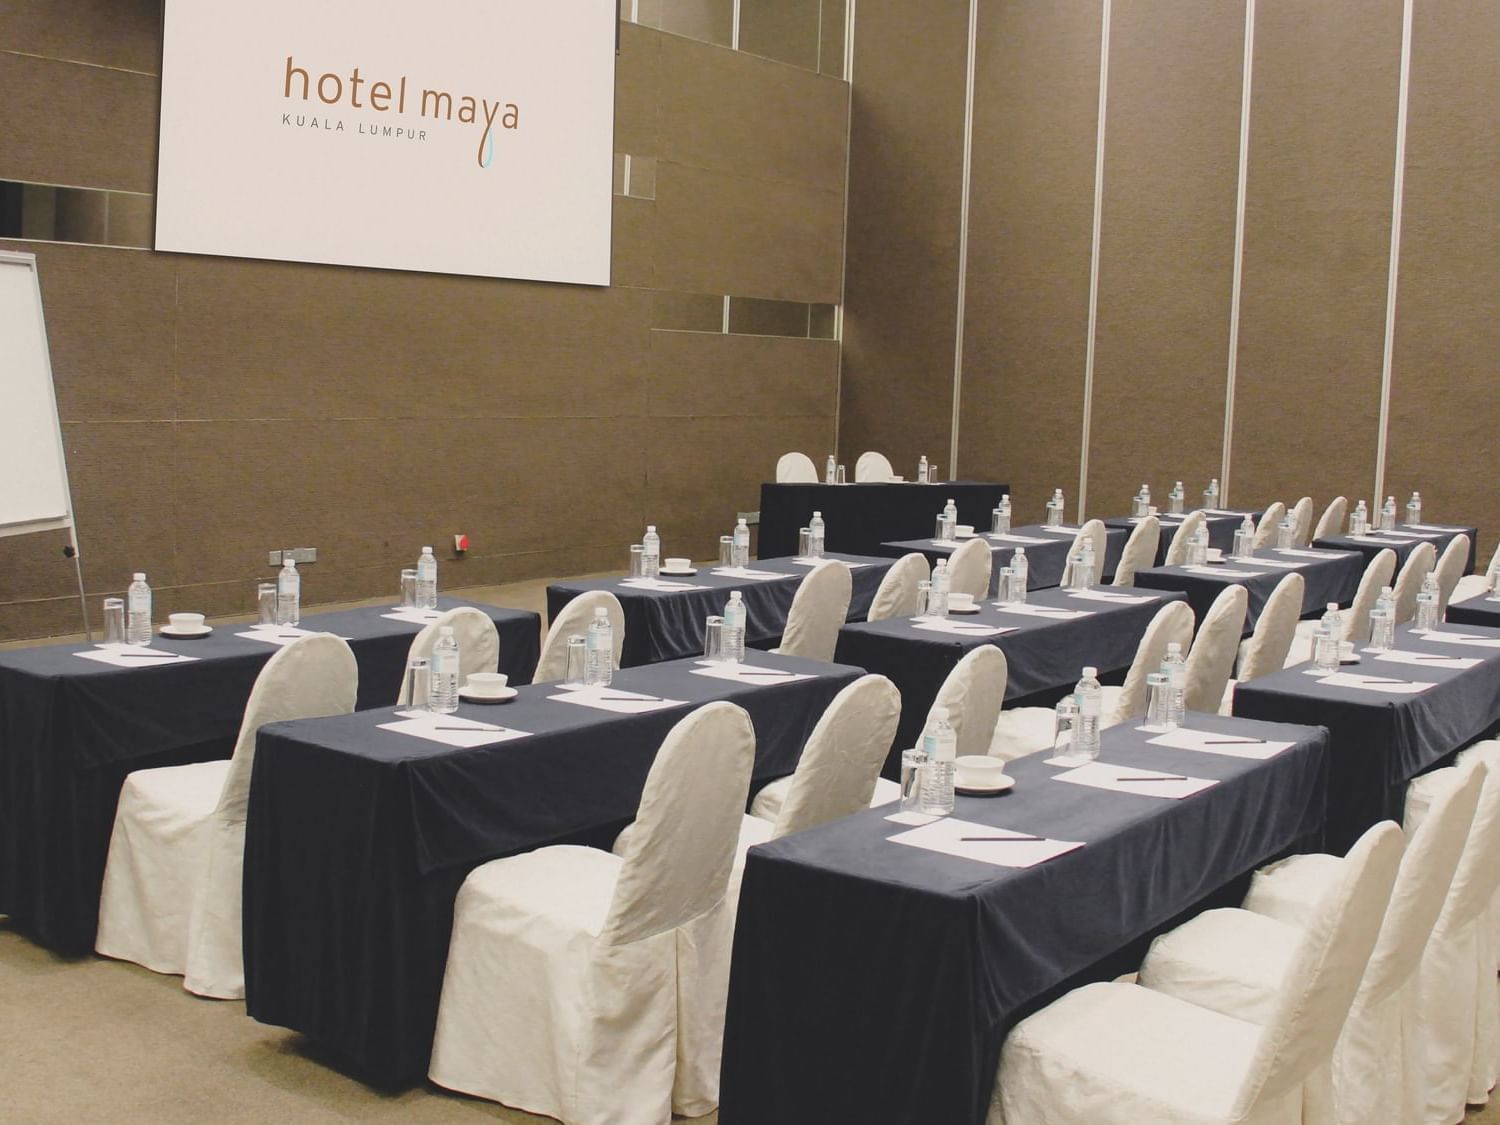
x=1478 y=610
x=1046 y=552
x=1045 y=655
x=358 y=838
x=859 y=517
x=1403 y=539
x=1382 y=740
x=1222 y=523
x=875 y=982
x=71 y=729
x=666 y=622
x=1330 y=576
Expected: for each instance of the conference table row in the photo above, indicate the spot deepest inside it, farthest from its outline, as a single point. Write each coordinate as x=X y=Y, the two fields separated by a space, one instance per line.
x=858 y=518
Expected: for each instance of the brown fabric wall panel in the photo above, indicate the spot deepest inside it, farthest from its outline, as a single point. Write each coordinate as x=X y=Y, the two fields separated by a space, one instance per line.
x=1166 y=253
x=1443 y=416
x=637 y=90
x=122 y=475
x=1317 y=246
x=1030 y=236
x=695 y=374
x=722 y=233
x=84 y=126
x=786 y=30
x=633 y=242
x=905 y=174
x=118 y=33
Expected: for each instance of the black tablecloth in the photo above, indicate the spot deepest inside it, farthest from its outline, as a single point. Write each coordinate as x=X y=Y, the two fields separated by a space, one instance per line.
x=72 y=729
x=1475 y=611
x=1221 y=529
x=874 y=982
x=1403 y=542
x=1331 y=579
x=358 y=839
x=859 y=517
x=1045 y=656
x=1381 y=741
x=668 y=624
x=1045 y=558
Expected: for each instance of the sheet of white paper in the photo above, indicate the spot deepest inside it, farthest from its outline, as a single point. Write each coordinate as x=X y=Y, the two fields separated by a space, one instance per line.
x=1376 y=539
x=1380 y=684
x=799 y=561
x=1434 y=527
x=1059 y=530
x=1027 y=609
x=1229 y=744
x=747 y=673
x=450 y=730
x=1021 y=540
x=613 y=699
x=1220 y=512
x=1300 y=553
x=1104 y=775
x=947 y=837
x=1405 y=536
x=279 y=635
x=1427 y=659
x=1279 y=564
x=133 y=656
x=910 y=817
x=1472 y=640
x=746 y=572
x=1228 y=572
x=958 y=628
x=946 y=544
x=1106 y=596
x=414 y=615
x=657 y=584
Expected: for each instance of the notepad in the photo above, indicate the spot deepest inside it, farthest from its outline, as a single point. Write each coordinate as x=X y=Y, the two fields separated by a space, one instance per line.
x=1373 y=683
x=1059 y=530
x=413 y=614
x=1022 y=540
x=133 y=656
x=1128 y=779
x=1427 y=659
x=1473 y=640
x=746 y=572
x=1227 y=743
x=799 y=561
x=1027 y=609
x=658 y=584
x=1279 y=565
x=1106 y=596
x=958 y=628
x=450 y=730
x=614 y=699
x=1300 y=553
x=1228 y=572
x=1001 y=847
x=279 y=635
x=747 y=673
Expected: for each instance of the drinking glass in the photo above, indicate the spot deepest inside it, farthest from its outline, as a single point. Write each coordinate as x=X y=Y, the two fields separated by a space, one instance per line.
x=114 y=621
x=842 y=478
x=265 y=603
x=726 y=550
x=713 y=638
x=1156 y=705
x=941 y=530
x=408 y=588
x=1005 y=590
x=1065 y=727
x=932 y=473
x=912 y=763
x=418 y=677
x=924 y=595
x=803 y=535
x=577 y=665
x=637 y=568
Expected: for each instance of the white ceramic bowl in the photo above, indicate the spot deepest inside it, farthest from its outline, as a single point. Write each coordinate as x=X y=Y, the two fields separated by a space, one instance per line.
x=964 y=530
x=679 y=564
x=486 y=683
x=1214 y=554
x=979 y=771
x=186 y=621
x=960 y=601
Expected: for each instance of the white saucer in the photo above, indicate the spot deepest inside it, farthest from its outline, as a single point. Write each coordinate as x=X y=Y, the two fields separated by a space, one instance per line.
x=185 y=634
x=678 y=573
x=975 y=608
x=1352 y=659
x=1004 y=785
x=961 y=535
x=504 y=695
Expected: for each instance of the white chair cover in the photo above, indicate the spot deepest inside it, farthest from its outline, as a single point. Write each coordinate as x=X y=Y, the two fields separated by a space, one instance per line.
x=1477 y=585
x=796 y=468
x=973 y=692
x=478 y=645
x=1140 y=550
x=588 y=986
x=1450 y=568
x=1331 y=522
x=1487 y=752
x=898 y=595
x=1270 y=522
x=1092 y=530
x=574 y=621
x=1377 y=576
x=1173 y=622
x=1267 y=649
x=969 y=568
x=171 y=896
x=1126 y=1053
x=1409 y=582
x=1211 y=658
x=819 y=609
x=1177 y=550
x=1303 y=511
x=873 y=466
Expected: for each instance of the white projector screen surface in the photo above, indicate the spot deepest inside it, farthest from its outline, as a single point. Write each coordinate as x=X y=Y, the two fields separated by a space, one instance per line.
x=33 y=474
x=451 y=136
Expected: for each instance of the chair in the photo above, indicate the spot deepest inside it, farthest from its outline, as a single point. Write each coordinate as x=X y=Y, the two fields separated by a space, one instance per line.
x=1177 y=550
x=574 y=621
x=1487 y=752
x=1270 y=521
x=1094 y=531
x=1477 y=585
x=1140 y=550
x=1123 y=1053
x=589 y=986
x=819 y=610
x=1302 y=529
x=1210 y=660
x=1376 y=577
x=969 y=568
x=1269 y=645
x=1450 y=568
x=873 y=466
x=898 y=594
x=796 y=468
x=171 y=896
x=1409 y=582
x=1331 y=522
x=478 y=645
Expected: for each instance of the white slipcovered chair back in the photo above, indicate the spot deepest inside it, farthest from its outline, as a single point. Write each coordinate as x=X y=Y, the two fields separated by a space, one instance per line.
x=1210 y=661
x=1478 y=872
x=478 y=644
x=1475 y=585
x=973 y=692
x=1173 y=622
x=969 y=568
x=1409 y=582
x=1140 y=550
x=819 y=609
x=1094 y=531
x=1377 y=575
x=1320 y=984
x=898 y=595
x=675 y=865
x=1270 y=520
x=1450 y=568
x=1331 y=522
x=873 y=466
x=842 y=758
x=1303 y=510
x=1177 y=551
x=796 y=468
x=1276 y=627
x=573 y=621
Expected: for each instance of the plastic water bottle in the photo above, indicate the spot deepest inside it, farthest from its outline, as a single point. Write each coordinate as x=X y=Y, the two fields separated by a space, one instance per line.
x=1055 y=508
x=1414 y=509
x=922 y=470
x=950 y=519
x=1198 y=546
x=1174 y=499
x=733 y=650
x=1000 y=518
x=599 y=663
x=427 y=580
x=650 y=553
x=1286 y=531
x=288 y=593
x=1388 y=514
x=1084 y=566
x=1141 y=505
x=1359 y=522
x=1211 y=494
x=138 y=611
x=442 y=683
x=1090 y=698
x=1326 y=641
x=940 y=747
x=1428 y=610
x=831 y=470
x=741 y=555
x=1020 y=571
x=1244 y=539
x=815 y=535
x=1383 y=621
x=1174 y=668
x=937 y=598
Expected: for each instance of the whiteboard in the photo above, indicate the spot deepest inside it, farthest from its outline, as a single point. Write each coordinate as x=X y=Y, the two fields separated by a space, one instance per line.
x=33 y=473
